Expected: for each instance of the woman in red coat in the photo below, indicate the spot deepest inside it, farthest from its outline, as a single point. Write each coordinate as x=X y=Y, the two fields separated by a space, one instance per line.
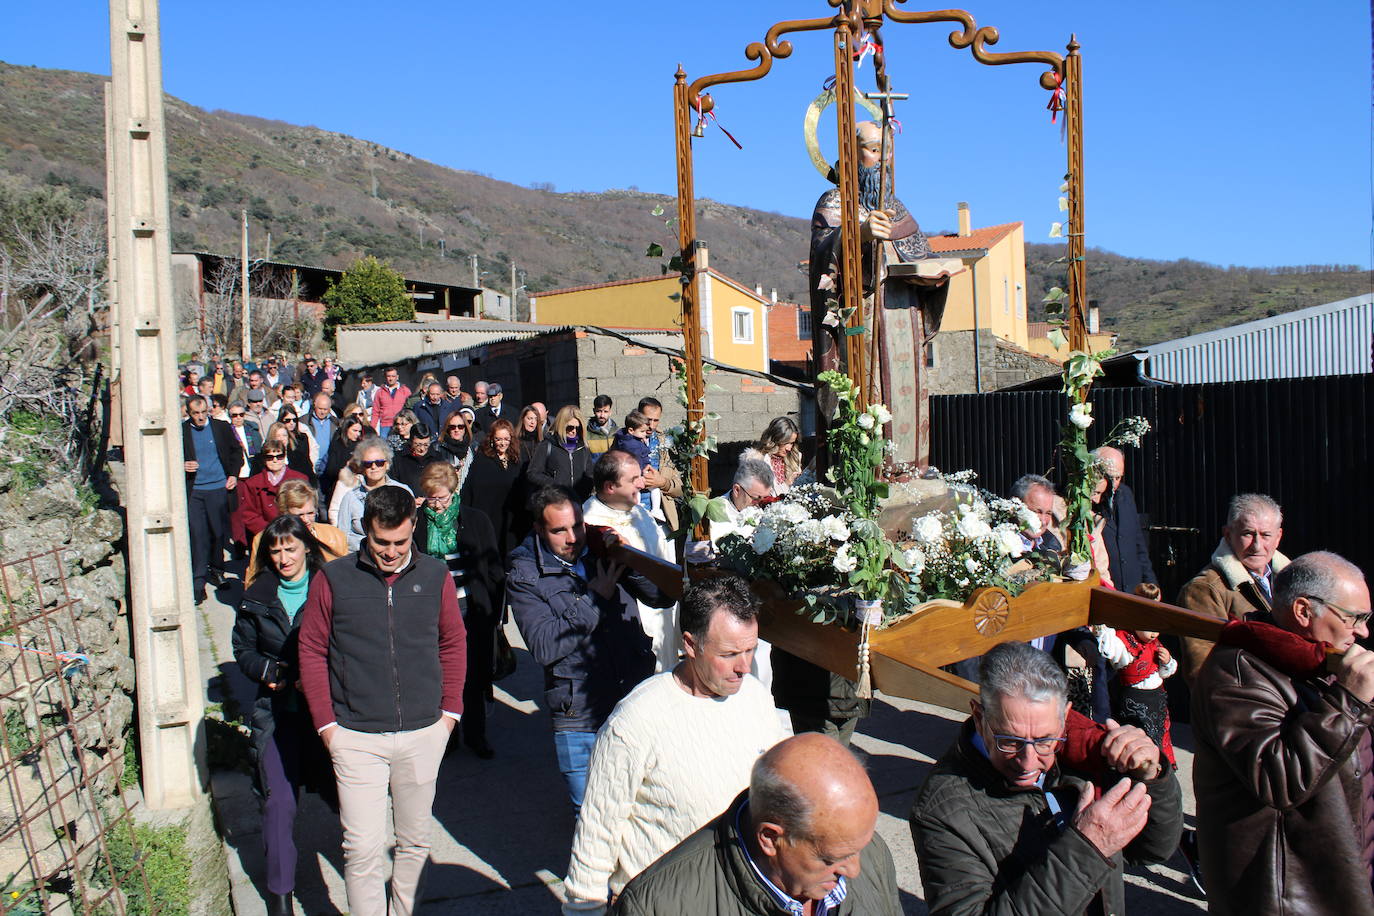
x=258 y=493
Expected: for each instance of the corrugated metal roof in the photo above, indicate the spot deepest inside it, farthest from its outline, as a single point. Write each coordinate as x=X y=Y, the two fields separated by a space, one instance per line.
x=1332 y=339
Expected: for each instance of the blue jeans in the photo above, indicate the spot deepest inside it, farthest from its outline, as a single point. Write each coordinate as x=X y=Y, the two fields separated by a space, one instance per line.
x=574 y=751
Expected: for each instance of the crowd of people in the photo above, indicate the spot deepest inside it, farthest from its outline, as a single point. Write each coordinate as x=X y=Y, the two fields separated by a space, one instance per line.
x=386 y=540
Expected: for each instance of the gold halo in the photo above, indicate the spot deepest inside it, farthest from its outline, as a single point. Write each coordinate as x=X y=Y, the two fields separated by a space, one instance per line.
x=813 y=120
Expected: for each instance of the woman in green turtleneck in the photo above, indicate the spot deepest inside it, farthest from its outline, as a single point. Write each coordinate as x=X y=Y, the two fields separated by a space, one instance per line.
x=289 y=755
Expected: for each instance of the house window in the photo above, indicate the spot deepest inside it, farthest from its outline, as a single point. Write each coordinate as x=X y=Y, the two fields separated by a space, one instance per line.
x=742 y=325
x=1020 y=301
x=930 y=355
x=1006 y=296
x=803 y=324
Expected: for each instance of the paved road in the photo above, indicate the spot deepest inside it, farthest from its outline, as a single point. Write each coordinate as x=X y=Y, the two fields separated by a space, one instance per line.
x=504 y=826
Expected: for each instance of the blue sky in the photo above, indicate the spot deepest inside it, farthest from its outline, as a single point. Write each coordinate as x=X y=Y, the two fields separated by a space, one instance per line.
x=1243 y=140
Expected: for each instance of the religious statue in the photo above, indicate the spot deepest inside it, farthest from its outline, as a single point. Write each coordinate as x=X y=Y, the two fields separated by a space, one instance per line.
x=914 y=282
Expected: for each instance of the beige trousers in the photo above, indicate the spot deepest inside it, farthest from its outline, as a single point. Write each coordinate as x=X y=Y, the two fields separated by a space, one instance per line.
x=366 y=766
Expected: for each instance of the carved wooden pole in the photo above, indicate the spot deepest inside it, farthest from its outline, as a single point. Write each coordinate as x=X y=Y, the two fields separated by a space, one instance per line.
x=1078 y=268
x=851 y=260
x=687 y=235
x=161 y=611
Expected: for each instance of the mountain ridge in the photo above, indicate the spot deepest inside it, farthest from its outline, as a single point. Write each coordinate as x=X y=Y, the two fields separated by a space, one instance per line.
x=327 y=198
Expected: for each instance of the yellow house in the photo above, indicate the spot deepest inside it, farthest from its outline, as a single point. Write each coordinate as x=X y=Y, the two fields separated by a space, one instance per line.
x=733 y=317
x=990 y=295
x=1098 y=340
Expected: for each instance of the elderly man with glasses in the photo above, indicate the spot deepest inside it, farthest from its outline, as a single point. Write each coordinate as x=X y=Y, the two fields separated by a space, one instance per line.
x=1282 y=767
x=1002 y=825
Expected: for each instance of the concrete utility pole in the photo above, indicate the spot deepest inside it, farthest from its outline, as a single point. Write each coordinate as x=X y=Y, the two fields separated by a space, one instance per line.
x=247 y=333
x=475 y=277
x=167 y=663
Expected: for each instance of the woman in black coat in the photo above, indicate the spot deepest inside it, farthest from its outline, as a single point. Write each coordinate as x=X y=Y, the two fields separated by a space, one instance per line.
x=351 y=432
x=496 y=485
x=563 y=458
x=463 y=538
x=289 y=755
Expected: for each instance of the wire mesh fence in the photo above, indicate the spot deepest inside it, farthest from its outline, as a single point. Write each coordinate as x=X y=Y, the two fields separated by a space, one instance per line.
x=68 y=843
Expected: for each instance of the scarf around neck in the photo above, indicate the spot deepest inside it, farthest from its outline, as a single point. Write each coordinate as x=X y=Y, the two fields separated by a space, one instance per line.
x=443 y=529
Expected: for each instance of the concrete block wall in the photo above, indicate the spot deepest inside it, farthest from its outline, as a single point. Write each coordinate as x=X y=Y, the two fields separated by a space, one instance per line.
x=745 y=403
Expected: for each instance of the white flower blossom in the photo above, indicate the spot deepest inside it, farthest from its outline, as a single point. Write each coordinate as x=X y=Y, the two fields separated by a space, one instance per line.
x=880 y=413
x=866 y=420
x=811 y=531
x=790 y=512
x=1080 y=415
x=915 y=560
x=972 y=565
x=764 y=539
x=835 y=528
x=1009 y=541
x=750 y=516
x=928 y=529
x=845 y=563
x=1030 y=522
x=863 y=437
x=973 y=527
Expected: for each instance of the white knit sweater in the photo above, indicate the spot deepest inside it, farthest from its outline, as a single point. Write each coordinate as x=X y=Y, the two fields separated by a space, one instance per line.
x=665 y=764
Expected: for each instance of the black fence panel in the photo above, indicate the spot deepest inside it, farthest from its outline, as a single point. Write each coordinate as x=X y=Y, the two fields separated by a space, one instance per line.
x=1305 y=442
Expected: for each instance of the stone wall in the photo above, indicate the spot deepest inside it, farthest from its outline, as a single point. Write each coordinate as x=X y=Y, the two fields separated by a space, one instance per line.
x=1002 y=363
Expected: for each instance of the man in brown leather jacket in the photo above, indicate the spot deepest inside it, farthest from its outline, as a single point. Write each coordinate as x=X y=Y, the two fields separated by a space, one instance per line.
x=1239 y=578
x=1282 y=764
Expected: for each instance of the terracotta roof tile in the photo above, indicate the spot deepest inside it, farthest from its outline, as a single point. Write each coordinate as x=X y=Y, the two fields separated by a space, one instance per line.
x=985 y=237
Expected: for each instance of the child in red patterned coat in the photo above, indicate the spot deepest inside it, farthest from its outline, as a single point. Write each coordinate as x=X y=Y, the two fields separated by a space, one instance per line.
x=1141 y=664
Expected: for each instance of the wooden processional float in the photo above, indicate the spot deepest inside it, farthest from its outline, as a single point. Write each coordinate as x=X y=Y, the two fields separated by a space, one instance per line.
x=905 y=657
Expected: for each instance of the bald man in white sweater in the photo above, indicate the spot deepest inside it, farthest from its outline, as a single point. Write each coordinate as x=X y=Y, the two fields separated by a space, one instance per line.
x=677 y=750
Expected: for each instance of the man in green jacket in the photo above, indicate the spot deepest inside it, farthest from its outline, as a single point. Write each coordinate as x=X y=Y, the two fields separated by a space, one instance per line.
x=800 y=841
x=1000 y=828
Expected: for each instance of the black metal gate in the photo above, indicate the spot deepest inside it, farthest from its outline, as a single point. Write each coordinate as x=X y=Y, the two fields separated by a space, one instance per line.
x=1305 y=442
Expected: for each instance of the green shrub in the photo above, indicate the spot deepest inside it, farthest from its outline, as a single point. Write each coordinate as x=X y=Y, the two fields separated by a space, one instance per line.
x=166 y=865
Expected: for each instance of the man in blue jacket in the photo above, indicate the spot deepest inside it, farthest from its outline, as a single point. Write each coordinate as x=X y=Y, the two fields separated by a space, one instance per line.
x=214 y=458
x=576 y=615
x=1128 y=547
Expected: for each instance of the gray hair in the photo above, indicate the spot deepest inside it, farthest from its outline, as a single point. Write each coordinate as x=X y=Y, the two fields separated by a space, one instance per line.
x=1314 y=575
x=753 y=469
x=774 y=800
x=1015 y=669
x=1027 y=482
x=368 y=443
x=1255 y=505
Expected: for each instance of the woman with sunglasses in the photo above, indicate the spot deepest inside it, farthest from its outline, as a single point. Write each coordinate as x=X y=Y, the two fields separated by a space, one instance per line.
x=563 y=459
x=496 y=485
x=288 y=754
x=462 y=537
x=455 y=445
x=300 y=445
x=372 y=456
x=258 y=493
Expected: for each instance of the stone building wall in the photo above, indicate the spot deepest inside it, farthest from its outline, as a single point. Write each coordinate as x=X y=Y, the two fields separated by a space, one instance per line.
x=1003 y=363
